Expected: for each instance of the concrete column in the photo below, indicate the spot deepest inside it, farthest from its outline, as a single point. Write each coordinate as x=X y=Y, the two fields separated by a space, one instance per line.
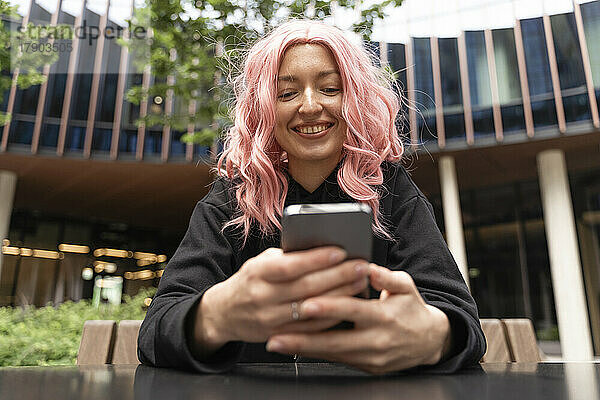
x=452 y=214
x=567 y=281
x=8 y=184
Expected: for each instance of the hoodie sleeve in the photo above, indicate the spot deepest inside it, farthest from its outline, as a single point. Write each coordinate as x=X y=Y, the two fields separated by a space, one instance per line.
x=204 y=257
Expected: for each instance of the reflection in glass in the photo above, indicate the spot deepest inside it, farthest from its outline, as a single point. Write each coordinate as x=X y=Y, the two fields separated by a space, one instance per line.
x=590 y=13
x=582 y=381
x=424 y=95
x=454 y=122
x=509 y=85
x=272 y=381
x=505 y=53
x=568 y=54
x=479 y=83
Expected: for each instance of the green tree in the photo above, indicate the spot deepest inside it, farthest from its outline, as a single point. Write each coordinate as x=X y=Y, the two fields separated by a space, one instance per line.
x=188 y=41
x=12 y=55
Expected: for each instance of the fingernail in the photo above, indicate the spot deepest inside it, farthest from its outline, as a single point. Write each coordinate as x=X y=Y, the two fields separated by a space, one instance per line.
x=310 y=308
x=337 y=256
x=274 y=345
x=360 y=269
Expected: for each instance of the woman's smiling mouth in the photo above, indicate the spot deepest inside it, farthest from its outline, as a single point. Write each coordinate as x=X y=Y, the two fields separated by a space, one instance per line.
x=313 y=131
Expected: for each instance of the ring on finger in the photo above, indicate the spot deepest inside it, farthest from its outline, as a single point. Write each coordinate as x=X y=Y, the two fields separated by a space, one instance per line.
x=295 y=311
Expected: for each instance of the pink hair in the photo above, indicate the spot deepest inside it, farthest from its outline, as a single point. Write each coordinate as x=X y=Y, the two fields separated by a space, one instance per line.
x=251 y=153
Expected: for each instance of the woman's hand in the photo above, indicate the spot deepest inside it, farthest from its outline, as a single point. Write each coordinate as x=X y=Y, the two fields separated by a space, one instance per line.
x=392 y=333
x=264 y=295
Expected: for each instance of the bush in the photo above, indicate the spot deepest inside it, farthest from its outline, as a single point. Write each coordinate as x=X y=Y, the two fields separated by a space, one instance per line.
x=51 y=336
x=550 y=333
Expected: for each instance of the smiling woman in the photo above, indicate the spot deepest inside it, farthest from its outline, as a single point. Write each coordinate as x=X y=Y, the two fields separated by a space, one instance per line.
x=314 y=123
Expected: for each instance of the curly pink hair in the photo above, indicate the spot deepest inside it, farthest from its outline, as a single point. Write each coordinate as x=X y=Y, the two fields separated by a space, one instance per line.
x=251 y=153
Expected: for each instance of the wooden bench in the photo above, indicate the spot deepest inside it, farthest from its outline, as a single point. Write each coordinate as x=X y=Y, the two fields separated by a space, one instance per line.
x=126 y=342
x=97 y=340
x=521 y=340
x=497 y=347
x=105 y=342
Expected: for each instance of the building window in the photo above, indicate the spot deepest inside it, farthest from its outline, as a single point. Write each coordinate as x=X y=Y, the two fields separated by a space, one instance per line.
x=590 y=13
x=21 y=132
x=454 y=118
x=85 y=67
x=479 y=84
x=101 y=139
x=177 y=146
x=131 y=112
x=6 y=93
x=570 y=67
x=538 y=72
x=75 y=138
x=108 y=90
x=26 y=100
x=56 y=94
x=509 y=84
x=128 y=141
x=57 y=79
x=153 y=142
x=424 y=95
x=81 y=97
x=49 y=136
x=397 y=61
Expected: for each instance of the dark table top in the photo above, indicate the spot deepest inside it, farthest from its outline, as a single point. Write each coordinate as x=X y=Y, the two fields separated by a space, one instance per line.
x=576 y=381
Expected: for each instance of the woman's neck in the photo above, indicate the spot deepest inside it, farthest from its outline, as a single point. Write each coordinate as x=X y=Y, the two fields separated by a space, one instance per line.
x=311 y=174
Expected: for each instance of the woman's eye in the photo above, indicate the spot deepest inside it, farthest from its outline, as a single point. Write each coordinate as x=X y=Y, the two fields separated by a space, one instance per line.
x=285 y=95
x=331 y=90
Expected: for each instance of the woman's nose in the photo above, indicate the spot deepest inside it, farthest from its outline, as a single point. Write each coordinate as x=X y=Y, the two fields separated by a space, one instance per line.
x=310 y=103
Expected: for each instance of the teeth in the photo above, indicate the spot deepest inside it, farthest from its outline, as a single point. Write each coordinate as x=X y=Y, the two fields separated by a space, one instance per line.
x=312 y=129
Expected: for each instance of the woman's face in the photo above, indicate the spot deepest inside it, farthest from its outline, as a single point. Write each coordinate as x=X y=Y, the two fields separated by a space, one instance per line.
x=309 y=124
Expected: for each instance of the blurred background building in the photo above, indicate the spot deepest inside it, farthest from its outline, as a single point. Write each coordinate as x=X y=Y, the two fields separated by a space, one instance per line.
x=503 y=136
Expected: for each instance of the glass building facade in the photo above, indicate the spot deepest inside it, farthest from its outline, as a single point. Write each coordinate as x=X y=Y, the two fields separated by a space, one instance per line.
x=29 y=110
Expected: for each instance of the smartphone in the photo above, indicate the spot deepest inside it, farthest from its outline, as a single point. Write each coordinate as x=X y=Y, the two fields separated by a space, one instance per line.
x=346 y=225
